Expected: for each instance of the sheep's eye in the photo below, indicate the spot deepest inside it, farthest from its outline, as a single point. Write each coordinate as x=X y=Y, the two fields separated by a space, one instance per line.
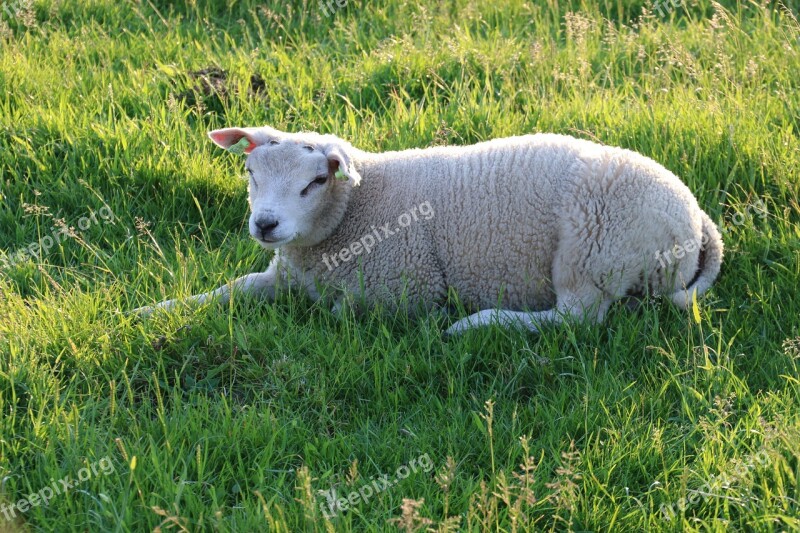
x=319 y=180
x=252 y=178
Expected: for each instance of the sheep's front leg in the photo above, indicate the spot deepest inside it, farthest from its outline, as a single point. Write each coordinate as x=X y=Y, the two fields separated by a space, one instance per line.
x=261 y=284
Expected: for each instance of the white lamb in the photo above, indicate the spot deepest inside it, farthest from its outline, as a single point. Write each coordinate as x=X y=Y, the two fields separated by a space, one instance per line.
x=549 y=226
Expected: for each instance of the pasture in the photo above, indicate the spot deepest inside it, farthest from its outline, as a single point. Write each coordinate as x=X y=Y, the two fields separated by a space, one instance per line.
x=286 y=417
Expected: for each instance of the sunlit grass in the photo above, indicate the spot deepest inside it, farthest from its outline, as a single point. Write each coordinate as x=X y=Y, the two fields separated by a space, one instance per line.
x=234 y=418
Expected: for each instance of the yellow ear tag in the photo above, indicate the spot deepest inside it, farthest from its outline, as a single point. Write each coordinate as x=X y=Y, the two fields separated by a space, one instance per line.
x=340 y=175
x=239 y=147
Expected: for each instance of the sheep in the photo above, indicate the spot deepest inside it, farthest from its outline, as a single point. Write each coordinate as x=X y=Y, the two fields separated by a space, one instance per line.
x=551 y=226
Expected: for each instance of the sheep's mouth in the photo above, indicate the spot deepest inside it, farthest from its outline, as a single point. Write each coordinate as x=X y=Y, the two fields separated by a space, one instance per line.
x=273 y=243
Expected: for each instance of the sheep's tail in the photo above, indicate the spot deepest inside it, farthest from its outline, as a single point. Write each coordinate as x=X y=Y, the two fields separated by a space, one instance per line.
x=708 y=266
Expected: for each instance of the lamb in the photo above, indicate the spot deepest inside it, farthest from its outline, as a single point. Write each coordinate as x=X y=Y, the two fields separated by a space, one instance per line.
x=550 y=226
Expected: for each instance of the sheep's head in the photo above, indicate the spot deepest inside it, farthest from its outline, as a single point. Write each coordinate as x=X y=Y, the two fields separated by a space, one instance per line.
x=299 y=183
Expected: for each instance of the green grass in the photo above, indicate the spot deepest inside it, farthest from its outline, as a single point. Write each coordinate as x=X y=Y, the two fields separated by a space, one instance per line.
x=233 y=420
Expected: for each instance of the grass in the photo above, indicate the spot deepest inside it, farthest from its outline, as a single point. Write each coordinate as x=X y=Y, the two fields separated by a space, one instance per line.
x=239 y=420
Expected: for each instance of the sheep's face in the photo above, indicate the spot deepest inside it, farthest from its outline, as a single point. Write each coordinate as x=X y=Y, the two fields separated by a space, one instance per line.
x=296 y=197
x=292 y=189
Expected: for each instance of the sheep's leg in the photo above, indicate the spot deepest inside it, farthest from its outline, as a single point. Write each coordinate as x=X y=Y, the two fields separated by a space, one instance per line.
x=259 y=283
x=586 y=307
x=504 y=318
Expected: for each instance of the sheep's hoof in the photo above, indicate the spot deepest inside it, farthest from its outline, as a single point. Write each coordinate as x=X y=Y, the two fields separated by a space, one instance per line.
x=148 y=310
x=143 y=312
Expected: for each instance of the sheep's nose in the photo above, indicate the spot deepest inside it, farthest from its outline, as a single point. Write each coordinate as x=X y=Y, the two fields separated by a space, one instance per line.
x=266 y=226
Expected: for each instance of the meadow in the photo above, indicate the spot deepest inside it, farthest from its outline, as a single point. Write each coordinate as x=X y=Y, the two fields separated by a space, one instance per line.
x=286 y=417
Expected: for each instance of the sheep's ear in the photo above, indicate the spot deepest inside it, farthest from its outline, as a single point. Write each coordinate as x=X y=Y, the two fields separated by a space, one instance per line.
x=228 y=137
x=340 y=164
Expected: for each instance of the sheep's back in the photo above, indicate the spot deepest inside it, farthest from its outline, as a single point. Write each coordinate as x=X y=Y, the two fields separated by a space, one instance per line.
x=496 y=205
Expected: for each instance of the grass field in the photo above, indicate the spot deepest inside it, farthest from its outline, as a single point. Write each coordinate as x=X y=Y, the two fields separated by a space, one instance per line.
x=251 y=418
